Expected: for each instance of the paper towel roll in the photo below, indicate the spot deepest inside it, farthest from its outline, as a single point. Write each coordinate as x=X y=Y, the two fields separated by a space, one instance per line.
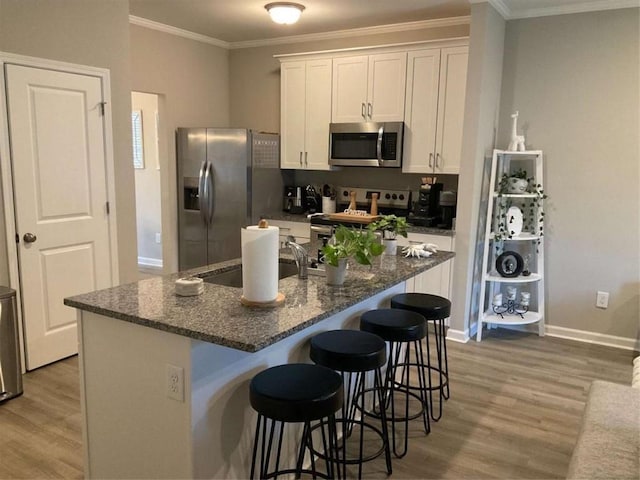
x=260 y=263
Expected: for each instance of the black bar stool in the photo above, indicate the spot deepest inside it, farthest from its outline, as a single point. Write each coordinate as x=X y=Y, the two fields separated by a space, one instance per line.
x=295 y=393
x=404 y=331
x=354 y=353
x=435 y=309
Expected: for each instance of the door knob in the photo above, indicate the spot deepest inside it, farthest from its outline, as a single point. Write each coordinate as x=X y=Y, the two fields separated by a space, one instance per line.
x=29 y=238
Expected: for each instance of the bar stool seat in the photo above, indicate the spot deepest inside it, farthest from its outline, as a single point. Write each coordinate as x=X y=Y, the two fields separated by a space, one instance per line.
x=354 y=352
x=294 y=393
x=404 y=330
x=435 y=309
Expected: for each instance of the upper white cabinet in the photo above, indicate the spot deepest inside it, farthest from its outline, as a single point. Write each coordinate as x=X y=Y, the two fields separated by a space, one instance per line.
x=369 y=88
x=434 y=109
x=305 y=92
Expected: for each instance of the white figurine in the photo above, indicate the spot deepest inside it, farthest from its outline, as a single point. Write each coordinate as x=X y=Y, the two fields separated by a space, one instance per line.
x=420 y=250
x=517 y=141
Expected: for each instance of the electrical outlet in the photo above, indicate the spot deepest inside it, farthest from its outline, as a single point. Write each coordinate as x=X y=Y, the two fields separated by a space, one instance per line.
x=158 y=238
x=602 y=299
x=175 y=382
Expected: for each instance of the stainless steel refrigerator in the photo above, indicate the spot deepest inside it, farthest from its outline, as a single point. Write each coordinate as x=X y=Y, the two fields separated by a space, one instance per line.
x=227 y=179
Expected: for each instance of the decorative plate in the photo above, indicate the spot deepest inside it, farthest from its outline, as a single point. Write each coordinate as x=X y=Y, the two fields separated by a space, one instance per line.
x=514 y=221
x=509 y=264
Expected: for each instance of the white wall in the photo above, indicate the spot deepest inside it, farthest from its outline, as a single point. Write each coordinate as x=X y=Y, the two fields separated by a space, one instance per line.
x=192 y=80
x=147 y=179
x=575 y=81
x=481 y=115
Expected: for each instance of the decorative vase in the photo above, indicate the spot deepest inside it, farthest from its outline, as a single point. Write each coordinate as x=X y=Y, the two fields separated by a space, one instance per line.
x=335 y=275
x=517 y=185
x=391 y=246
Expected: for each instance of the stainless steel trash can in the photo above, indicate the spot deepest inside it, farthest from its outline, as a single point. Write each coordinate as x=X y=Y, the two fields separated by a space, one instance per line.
x=10 y=369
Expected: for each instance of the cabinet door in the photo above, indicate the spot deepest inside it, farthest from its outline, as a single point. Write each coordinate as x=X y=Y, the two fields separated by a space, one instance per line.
x=292 y=123
x=421 y=111
x=386 y=87
x=318 y=114
x=453 y=84
x=349 y=89
x=435 y=281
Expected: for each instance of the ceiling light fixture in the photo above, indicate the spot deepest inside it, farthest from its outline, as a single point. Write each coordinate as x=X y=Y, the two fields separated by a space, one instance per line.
x=284 y=13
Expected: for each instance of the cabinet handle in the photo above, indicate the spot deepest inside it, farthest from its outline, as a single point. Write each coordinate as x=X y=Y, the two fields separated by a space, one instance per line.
x=437 y=162
x=305 y=159
x=300 y=158
x=369 y=109
x=363 y=110
x=431 y=159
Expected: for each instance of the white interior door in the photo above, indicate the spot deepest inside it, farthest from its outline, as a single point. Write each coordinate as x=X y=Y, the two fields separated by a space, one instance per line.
x=60 y=189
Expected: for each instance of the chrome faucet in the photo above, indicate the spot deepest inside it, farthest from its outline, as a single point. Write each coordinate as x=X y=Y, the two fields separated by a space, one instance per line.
x=301 y=256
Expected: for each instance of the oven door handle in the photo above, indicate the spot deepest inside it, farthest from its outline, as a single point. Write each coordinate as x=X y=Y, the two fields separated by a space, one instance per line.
x=379 y=146
x=322 y=229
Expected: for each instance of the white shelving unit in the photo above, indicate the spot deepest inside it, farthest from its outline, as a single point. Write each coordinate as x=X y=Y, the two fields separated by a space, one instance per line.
x=529 y=244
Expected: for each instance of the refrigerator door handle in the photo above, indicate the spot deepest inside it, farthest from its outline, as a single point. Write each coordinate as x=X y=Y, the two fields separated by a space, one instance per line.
x=208 y=178
x=202 y=192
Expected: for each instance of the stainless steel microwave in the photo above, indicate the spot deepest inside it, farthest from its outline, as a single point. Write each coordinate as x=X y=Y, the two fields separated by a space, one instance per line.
x=369 y=144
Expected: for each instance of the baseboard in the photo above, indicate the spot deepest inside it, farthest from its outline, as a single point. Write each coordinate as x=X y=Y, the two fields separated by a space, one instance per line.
x=461 y=336
x=593 y=337
x=150 y=262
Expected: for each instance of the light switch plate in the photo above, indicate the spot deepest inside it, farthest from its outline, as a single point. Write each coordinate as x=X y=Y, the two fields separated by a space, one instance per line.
x=602 y=299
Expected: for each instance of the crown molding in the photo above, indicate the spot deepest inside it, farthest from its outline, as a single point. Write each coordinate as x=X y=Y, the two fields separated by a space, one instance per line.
x=588 y=6
x=559 y=9
x=356 y=32
x=179 y=32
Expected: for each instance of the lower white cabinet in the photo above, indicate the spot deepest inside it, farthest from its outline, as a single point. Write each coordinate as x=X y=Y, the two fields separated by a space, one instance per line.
x=300 y=230
x=436 y=281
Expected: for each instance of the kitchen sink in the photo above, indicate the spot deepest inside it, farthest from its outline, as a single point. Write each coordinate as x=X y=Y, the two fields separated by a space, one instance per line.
x=233 y=277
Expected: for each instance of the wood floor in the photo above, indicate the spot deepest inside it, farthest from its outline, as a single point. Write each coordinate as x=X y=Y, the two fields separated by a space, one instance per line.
x=515 y=411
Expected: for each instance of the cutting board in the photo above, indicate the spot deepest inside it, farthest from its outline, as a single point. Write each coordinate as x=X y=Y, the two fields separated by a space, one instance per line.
x=346 y=217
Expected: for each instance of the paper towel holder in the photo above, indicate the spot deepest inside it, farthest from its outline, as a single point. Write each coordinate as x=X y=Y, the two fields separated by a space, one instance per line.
x=279 y=300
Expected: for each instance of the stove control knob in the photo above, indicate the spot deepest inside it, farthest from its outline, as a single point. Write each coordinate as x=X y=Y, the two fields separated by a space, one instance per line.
x=387 y=196
x=394 y=196
x=345 y=194
x=401 y=197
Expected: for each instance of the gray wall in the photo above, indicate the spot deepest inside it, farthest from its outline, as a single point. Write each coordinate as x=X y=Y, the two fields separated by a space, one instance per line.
x=574 y=79
x=87 y=33
x=192 y=81
x=481 y=118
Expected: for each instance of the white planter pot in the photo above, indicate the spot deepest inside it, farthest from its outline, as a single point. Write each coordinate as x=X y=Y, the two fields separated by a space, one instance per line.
x=517 y=185
x=335 y=275
x=391 y=246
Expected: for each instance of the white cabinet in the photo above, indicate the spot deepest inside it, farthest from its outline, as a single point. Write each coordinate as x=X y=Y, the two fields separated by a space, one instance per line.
x=434 y=110
x=300 y=230
x=512 y=290
x=436 y=281
x=369 y=88
x=305 y=90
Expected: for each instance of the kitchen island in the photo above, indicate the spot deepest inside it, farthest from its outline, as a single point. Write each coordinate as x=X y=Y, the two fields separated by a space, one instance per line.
x=164 y=379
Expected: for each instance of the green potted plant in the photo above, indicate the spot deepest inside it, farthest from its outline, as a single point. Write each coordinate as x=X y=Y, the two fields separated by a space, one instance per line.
x=391 y=226
x=529 y=199
x=361 y=244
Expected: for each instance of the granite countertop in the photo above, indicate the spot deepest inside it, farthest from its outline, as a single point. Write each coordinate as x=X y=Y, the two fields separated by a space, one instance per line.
x=292 y=217
x=217 y=316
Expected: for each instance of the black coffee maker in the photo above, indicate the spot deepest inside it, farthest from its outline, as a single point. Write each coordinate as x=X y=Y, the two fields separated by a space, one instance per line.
x=426 y=211
x=448 y=202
